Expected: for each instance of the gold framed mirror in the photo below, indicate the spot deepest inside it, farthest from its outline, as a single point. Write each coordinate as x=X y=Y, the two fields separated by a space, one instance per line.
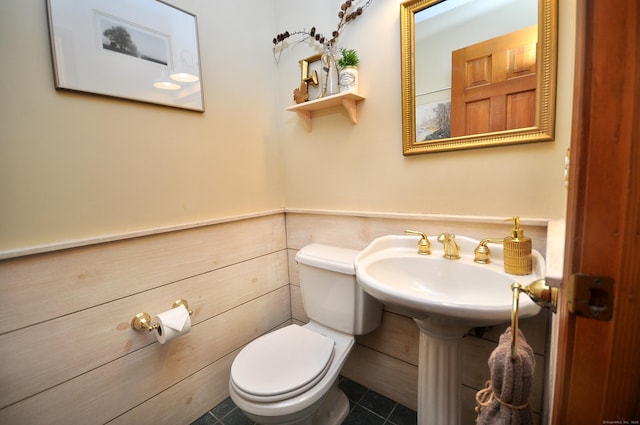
x=477 y=73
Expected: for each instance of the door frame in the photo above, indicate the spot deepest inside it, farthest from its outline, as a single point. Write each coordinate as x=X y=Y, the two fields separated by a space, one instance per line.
x=598 y=371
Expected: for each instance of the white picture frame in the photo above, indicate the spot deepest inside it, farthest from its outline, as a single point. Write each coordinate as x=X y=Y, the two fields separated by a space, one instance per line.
x=141 y=50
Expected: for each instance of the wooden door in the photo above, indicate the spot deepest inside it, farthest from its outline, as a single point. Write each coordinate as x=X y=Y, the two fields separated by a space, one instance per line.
x=493 y=84
x=598 y=375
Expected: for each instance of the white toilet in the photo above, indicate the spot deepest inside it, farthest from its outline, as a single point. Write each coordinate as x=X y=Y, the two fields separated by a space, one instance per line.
x=290 y=376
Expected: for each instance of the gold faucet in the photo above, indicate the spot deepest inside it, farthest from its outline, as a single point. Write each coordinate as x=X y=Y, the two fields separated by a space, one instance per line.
x=482 y=252
x=451 y=250
x=424 y=246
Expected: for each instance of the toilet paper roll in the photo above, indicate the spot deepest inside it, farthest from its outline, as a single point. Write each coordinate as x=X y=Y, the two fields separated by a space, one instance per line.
x=173 y=323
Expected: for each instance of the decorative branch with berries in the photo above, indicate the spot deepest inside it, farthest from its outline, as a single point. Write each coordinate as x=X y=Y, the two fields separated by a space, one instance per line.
x=349 y=11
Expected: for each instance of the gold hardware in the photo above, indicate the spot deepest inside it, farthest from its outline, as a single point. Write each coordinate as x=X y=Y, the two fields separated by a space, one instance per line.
x=451 y=249
x=304 y=69
x=516 y=231
x=517 y=250
x=482 y=252
x=142 y=320
x=540 y=294
x=424 y=246
x=590 y=296
x=182 y=302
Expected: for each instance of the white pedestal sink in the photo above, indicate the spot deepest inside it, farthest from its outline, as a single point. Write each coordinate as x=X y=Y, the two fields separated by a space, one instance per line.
x=446 y=298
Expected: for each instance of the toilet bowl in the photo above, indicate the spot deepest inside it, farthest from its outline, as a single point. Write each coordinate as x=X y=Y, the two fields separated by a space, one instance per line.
x=290 y=376
x=269 y=397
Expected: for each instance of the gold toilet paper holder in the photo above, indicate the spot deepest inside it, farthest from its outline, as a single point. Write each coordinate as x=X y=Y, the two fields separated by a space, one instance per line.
x=142 y=321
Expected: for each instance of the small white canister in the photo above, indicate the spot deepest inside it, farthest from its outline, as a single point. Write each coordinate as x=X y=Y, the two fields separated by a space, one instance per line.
x=349 y=79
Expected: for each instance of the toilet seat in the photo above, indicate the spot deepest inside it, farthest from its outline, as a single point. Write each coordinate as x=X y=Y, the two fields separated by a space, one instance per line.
x=282 y=364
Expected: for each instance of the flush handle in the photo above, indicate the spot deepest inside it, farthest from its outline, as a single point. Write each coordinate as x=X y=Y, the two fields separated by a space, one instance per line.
x=591 y=296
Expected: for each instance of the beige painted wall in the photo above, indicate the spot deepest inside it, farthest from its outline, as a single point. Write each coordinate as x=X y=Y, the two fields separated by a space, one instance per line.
x=76 y=166
x=360 y=167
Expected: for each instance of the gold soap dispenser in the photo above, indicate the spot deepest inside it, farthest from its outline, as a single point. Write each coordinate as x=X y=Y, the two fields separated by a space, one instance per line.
x=517 y=251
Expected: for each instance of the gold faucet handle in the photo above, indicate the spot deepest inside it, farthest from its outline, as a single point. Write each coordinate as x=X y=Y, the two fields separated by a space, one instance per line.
x=482 y=252
x=424 y=246
x=451 y=249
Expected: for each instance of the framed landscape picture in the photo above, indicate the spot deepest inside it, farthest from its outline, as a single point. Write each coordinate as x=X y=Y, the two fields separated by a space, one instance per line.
x=143 y=50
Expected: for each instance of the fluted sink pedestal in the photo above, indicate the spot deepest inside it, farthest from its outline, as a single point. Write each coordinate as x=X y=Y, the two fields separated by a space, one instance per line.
x=439 y=371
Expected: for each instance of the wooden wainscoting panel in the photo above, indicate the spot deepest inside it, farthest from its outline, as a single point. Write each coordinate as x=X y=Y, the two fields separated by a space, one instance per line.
x=41 y=356
x=185 y=401
x=475 y=355
x=356 y=232
x=535 y=330
x=104 y=393
x=467 y=406
x=297 y=306
x=390 y=377
x=397 y=336
x=331 y=230
x=80 y=278
x=294 y=277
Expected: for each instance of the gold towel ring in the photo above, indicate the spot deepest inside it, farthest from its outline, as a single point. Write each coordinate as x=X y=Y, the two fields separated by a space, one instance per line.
x=540 y=294
x=516 y=288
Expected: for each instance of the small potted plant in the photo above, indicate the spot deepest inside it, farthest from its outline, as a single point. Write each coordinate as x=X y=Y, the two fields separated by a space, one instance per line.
x=348 y=64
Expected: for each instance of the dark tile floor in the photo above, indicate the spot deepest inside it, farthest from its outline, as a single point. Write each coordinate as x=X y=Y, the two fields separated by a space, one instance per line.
x=366 y=408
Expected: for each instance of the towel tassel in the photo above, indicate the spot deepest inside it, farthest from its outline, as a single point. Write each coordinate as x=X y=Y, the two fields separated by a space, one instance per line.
x=485 y=396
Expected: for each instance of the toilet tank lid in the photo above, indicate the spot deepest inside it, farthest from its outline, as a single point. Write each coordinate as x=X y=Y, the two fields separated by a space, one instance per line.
x=340 y=260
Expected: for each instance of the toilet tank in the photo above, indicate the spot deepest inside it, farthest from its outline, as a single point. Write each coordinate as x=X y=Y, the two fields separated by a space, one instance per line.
x=330 y=292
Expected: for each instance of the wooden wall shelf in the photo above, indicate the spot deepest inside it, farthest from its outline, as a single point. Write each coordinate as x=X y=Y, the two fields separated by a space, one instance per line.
x=347 y=99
